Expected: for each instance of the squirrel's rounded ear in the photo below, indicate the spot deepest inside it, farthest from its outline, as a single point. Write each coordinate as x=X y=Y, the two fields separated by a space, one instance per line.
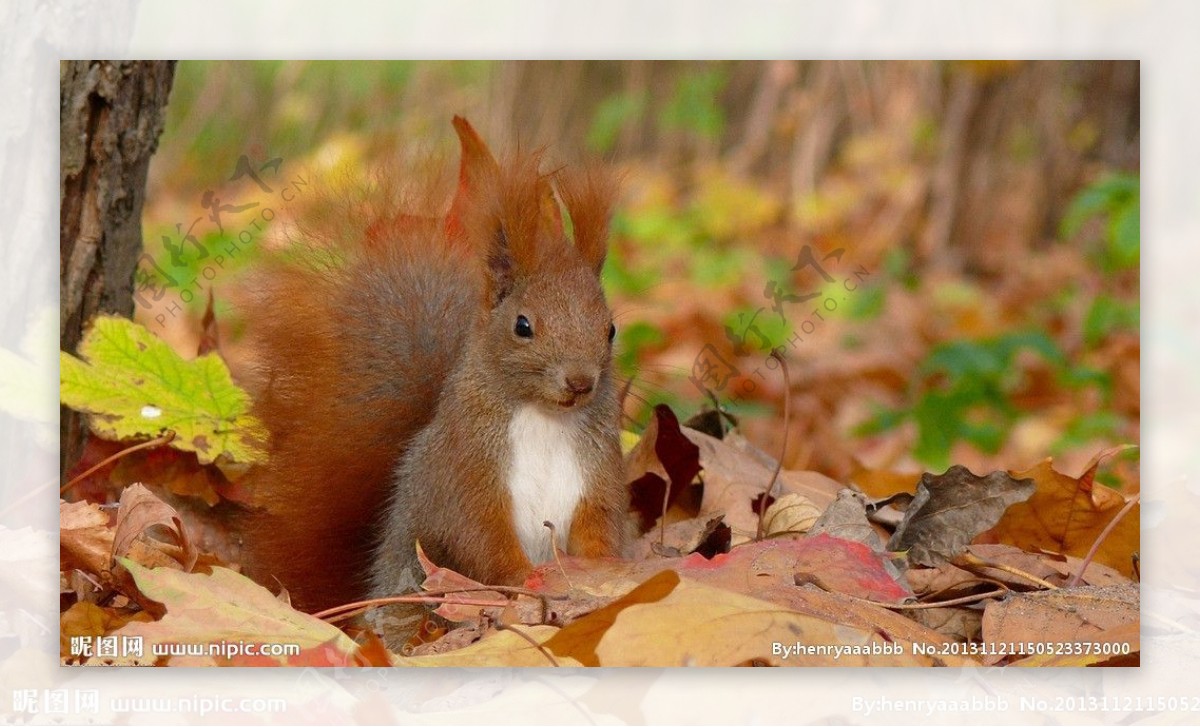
x=589 y=195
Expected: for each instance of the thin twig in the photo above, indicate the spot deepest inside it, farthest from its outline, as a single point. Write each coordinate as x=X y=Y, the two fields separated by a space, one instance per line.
x=353 y=609
x=937 y=604
x=166 y=438
x=662 y=520
x=787 y=424
x=502 y=627
x=974 y=560
x=364 y=606
x=974 y=579
x=557 y=561
x=1112 y=524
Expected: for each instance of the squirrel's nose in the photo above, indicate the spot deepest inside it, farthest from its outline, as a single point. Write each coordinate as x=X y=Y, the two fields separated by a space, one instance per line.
x=580 y=383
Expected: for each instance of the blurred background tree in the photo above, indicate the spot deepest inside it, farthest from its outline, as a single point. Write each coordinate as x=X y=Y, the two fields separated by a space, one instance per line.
x=986 y=214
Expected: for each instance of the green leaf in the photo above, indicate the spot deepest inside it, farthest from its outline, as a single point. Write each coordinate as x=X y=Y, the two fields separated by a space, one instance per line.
x=133 y=385
x=1125 y=237
x=1105 y=196
x=1106 y=315
x=611 y=117
x=694 y=106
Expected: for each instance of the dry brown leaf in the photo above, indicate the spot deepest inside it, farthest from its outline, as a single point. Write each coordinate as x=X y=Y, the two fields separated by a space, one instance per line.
x=946 y=580
x=1052 y=568
x=678 y=538
x=438 y=578
x=140 y=510
x=85 y=537
x=954 y=623
x=847 y=518
x=1117 y=637
x=1066 y=514
x=1061 y=616
x=88 y=620
x=735 y=476
x=174 y=471
x=791 y=513
x=951 y=509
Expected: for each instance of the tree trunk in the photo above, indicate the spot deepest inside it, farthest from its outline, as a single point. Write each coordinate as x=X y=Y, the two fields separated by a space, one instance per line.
x=110 y=118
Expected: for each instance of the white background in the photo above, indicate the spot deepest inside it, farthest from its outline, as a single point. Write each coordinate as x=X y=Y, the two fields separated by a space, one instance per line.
x=35 y=35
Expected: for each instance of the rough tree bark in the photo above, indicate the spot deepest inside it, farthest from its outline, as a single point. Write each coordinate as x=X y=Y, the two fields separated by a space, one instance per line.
x=110 y=118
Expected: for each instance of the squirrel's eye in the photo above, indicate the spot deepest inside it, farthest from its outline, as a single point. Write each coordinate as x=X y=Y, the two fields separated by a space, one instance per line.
x=523 y=328
x=612 y=332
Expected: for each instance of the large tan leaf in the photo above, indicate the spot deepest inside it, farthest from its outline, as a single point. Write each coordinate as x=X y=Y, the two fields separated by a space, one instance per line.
x=228 y=607
x=669 y=621
x=500 y=648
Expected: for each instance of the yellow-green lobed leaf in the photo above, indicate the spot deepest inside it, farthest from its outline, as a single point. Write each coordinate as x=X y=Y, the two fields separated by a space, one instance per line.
x=132 y=384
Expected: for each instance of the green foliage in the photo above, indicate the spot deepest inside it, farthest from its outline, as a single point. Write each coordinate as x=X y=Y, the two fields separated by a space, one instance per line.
x=620 y=277
x=663 y=228
x=964 y=392
x=133 y=385
x=1107 y=315
x=694 y=106
x=188 y=270
x=897 y=263
x=866 y=303
x=1116 y=200
x=760 y=328
x=1085 y=429
x=713 y=266
x=632 y=340
x=612 y=115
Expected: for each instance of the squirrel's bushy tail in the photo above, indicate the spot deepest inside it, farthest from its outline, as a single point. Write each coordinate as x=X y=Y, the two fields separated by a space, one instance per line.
x=354 y=332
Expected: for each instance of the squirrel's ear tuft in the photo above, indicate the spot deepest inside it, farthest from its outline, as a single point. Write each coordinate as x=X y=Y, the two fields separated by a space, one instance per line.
x=504 y=219
x=476 y=170
x=589 y=195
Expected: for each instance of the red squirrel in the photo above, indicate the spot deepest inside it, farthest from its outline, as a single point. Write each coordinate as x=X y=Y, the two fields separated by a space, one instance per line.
x=445 y=381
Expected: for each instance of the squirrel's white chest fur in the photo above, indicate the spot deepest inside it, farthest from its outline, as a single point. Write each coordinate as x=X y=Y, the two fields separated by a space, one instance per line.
x=545 y=478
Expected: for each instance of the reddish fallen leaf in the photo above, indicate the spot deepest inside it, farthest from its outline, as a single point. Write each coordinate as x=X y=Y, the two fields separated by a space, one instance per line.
x=661 y=465
x=839 y=565
x=209 y=339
